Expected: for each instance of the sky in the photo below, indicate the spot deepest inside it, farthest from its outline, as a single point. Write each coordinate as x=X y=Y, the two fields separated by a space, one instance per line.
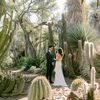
x=60 y=4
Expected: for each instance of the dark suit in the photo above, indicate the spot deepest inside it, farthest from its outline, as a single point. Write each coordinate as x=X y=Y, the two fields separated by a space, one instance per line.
x=50 y=65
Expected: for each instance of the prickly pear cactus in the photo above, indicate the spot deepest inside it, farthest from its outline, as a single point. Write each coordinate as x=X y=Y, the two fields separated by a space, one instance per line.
x=40 y=89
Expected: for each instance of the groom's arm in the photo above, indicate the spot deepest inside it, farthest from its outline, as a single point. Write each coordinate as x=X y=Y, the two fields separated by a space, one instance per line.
x=49 y=58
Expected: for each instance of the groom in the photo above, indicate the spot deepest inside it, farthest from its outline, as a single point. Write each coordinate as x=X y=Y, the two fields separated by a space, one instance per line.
x=50 y=56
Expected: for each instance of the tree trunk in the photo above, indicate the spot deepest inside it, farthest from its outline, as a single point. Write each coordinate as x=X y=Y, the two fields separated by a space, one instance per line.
x=75 y=13
x=50 y=36
x=29 y=49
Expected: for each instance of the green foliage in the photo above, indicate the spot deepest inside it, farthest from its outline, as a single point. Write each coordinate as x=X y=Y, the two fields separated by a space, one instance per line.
x=40 y=89
x=82 y=33
x=11 y=84
x=76 y=34
x=28 y=62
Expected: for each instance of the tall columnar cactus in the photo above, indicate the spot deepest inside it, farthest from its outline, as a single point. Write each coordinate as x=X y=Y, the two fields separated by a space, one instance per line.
x=66 y=54
x=2 y=8
x=87 y=58
x=68 y=61
x=84 y=92
x=91 y=53
x=93 y=77
x=7 y=30
x=86 y=62
x=90 y=94
x=40 y=89
x=80 y=54
x=86 y=53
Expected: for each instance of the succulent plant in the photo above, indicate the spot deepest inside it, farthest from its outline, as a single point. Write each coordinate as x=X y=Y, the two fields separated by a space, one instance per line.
x=11 y=84
x=77 y=83
x=40 y=89
x=90 y=94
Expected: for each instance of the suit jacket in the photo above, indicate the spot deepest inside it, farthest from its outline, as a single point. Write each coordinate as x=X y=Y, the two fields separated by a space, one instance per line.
x=50 y=58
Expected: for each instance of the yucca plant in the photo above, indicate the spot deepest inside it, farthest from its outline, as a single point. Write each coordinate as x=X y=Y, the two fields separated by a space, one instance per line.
x=83 y=34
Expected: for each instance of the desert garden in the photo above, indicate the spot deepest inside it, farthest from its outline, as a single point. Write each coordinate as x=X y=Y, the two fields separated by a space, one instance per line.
x=28 y=27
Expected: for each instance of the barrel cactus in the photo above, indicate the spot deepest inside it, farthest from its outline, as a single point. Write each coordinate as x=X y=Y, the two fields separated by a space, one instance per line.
x=40 y=89
x=77 y=83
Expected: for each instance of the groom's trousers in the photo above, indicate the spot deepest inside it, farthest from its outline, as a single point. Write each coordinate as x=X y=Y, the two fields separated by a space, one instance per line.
x=49 y=72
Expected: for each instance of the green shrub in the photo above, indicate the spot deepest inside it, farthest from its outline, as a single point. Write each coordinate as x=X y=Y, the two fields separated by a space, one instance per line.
x=28 y=62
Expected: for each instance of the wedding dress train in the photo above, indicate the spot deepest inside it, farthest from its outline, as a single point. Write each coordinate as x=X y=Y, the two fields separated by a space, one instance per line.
x=59 y=77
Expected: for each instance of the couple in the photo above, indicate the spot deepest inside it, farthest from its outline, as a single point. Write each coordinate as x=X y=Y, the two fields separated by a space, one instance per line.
x=55 y=63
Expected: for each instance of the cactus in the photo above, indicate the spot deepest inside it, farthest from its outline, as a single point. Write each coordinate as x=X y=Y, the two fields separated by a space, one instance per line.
x=10 y=84
x=91 y=53
x=40 y=89
x=81 y=57
x=66 y=63
x=86 y=53
x=87 y=59
x=90 y=94
x=93 y=77
x=77 y=83
x=73 y=96
x=20 y=82
x=84 y=92
x=2 y=8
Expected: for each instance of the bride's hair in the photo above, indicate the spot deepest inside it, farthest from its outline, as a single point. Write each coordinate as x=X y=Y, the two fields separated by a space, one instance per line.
x=60 y=51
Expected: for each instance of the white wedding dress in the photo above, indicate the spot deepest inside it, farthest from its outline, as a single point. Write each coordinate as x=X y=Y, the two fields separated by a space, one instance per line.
x=59 y=77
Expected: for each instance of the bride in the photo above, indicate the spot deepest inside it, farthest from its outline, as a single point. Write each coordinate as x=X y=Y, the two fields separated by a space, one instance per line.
x=59 y=77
